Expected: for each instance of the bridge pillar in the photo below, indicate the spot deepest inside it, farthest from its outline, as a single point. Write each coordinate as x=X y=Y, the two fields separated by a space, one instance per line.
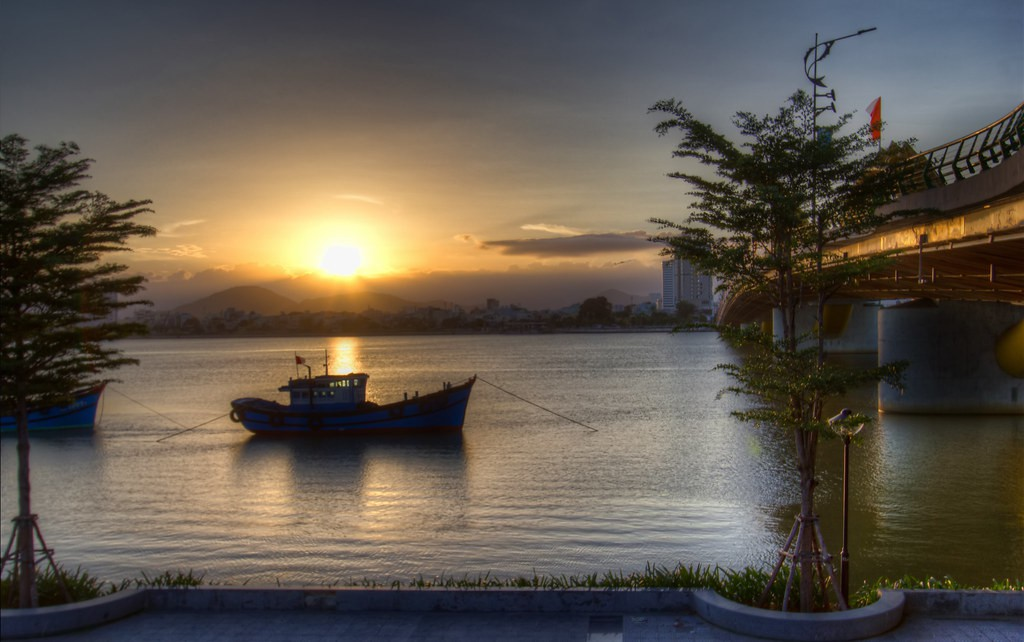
x=850 y=327
x=965 y=357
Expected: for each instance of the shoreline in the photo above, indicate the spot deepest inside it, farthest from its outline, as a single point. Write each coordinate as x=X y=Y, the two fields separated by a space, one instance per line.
x=411 y=333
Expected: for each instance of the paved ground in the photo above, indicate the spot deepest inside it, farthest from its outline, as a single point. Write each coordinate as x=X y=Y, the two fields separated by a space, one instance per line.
x=298 y=626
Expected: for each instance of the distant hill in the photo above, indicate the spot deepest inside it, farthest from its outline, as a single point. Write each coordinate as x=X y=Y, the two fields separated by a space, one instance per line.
x=247 y=298
x=309 y=294
x=357 y=302
x=254 y=298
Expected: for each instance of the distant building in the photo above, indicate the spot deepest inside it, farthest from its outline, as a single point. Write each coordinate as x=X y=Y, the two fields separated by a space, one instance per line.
x=680 y=281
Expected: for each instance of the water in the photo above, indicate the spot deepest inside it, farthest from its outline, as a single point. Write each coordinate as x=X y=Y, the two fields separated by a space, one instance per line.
x=668 y=476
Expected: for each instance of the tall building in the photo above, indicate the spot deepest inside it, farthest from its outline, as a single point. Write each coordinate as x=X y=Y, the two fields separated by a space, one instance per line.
x=680 y=281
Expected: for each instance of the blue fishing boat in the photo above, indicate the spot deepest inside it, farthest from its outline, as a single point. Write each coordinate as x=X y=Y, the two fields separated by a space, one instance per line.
x=336 y=404
x=80 y=414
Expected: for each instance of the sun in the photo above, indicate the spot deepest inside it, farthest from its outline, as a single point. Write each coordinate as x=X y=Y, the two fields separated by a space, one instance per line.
x=341 y=260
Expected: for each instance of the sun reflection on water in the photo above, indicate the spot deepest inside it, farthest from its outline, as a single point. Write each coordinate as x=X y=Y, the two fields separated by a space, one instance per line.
x=345 y=354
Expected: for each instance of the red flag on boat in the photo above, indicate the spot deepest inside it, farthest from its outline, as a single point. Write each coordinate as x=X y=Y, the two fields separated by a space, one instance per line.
x=875 y=109
x=299 y=360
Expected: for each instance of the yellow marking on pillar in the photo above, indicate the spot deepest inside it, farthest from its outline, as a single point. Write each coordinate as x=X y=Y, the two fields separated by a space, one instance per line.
x=837 y=317
x=1010 y=350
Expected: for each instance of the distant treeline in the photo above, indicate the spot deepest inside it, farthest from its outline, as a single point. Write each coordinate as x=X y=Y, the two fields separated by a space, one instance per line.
x=592 y=315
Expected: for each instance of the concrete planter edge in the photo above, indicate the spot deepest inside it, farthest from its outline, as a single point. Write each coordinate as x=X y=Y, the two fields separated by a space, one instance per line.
x=854 y=624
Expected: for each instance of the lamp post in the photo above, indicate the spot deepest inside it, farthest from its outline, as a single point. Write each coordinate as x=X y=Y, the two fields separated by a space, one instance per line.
x=816 y=54
x=847 y=432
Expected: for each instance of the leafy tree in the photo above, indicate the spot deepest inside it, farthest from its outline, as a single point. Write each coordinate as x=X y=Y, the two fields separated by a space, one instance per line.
x=762 y=221
x=685 y=310
x=595 y=310
x=57 y=297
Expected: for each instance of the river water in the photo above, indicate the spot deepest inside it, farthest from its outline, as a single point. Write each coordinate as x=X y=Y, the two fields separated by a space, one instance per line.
x=659 y=473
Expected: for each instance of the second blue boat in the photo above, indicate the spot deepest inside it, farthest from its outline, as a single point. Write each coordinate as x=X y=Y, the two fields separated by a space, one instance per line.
x=79 y=414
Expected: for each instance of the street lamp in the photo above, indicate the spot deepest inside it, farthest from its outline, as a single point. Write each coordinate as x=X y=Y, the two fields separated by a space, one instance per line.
x=847 y=432
x=816 y=54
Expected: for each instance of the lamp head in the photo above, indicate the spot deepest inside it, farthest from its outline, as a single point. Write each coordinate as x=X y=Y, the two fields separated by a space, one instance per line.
x=843 y=414
x=839 y=427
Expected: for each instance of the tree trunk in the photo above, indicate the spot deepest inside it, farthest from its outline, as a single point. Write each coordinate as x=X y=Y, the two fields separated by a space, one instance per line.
x=26 y=558
x=806 y=445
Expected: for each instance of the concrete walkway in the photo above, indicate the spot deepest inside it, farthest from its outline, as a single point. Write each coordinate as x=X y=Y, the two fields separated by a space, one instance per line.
x=587 y=616
x=292 y=626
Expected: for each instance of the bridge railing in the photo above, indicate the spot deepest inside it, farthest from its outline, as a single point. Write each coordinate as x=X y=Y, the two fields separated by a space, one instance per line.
x=964 y=157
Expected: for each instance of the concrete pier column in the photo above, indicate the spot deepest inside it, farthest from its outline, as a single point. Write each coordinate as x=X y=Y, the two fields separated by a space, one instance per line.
x=854 y=328
x=849 y=327
x=958 y=353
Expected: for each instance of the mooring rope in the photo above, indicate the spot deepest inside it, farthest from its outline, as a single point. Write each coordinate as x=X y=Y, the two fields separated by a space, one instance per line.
x=181 y=432
x=510 y=393
x=185 y=428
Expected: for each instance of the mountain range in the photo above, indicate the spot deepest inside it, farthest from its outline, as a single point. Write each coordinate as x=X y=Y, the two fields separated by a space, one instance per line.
x=533 y=287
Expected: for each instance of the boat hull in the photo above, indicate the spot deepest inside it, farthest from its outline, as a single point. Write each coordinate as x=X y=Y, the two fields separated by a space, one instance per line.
x=444 y=410
x=80 y=414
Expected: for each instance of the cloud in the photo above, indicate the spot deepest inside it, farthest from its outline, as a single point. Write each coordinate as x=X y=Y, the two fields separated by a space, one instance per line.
x=359 y=198
x=185 y=250
x=173 y=229
x=554 y=229
x=472 y=240
x=576 y=246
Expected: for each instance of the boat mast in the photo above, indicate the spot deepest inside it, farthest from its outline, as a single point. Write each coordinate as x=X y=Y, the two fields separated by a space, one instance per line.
x=325 y=363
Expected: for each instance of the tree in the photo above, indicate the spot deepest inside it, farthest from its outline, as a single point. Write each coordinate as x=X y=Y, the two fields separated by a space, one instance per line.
x=57 y=297
x=685 y=310
x=596 y=310
x=763 y=224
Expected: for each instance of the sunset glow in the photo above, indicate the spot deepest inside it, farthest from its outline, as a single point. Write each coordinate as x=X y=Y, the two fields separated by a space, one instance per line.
x=450 y=152
x=341 y=260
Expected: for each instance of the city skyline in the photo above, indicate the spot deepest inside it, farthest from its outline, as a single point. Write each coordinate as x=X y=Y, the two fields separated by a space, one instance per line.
x=453 y=150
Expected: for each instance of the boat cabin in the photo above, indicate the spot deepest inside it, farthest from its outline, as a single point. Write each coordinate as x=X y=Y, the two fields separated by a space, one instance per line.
x=327 y=392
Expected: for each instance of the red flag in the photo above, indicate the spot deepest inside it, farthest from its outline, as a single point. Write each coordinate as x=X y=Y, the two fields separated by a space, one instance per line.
x=299 y=360
x=875 y=109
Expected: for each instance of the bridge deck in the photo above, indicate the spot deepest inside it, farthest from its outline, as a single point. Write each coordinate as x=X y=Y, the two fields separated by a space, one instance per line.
x=975 y=255
x=969 y=248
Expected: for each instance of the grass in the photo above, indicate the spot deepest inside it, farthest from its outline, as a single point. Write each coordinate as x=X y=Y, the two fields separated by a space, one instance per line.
x=868 y=592
x=79 y=584
x=743 y=586
x=83 y=586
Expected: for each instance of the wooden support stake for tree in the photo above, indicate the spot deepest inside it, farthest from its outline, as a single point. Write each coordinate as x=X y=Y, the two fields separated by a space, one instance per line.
x=783 y=552
x=13 y=553
x=820 y=558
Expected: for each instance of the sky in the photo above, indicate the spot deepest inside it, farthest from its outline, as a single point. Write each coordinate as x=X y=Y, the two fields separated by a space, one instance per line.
x=455 y=149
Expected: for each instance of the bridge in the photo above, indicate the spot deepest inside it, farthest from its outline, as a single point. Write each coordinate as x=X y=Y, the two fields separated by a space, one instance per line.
x=952 y=300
